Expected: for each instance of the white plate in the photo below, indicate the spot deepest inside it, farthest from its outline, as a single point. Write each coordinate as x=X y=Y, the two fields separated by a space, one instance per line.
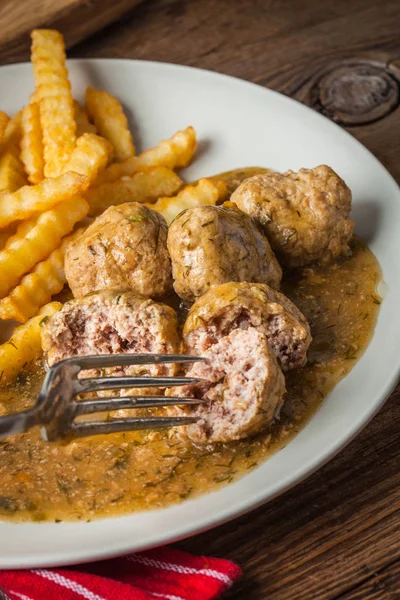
x=238 y=124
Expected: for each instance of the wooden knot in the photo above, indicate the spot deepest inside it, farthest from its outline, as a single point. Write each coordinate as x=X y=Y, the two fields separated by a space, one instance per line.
x=356 y=93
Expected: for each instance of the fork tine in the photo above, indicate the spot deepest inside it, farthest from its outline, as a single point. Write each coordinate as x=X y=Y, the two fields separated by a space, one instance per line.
x=116 y=360
x=119 y=425
x=93 y=384
x=87 y=407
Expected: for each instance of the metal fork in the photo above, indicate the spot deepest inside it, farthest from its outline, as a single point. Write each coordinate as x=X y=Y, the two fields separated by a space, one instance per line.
x=57 y=408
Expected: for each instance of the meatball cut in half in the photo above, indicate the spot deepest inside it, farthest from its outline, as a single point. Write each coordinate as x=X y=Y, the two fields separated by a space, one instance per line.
x=113 y=322
x=214 y=244
x=126 y=246
x=232 y=306
x=305 y=215
x=243 y=391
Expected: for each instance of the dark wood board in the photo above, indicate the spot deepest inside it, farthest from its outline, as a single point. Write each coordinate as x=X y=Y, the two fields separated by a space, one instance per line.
x=76 y=19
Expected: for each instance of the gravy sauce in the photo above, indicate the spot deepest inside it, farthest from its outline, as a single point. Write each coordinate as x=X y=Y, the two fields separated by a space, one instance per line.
x=121 y=473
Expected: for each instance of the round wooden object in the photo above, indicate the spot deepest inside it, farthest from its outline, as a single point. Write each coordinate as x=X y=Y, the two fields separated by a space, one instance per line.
x=356 y=94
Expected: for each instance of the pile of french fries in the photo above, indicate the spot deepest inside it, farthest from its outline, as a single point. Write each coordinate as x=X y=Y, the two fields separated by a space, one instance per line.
x=61 y=162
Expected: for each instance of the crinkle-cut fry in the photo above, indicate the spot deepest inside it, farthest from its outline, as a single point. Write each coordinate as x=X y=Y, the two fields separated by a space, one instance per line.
x=34 y=98
x=32 y=143
x=36 y=239
x=90 y=156
x=12 y=173
x=29 y=200
x=53 y=90
x=12 y=133
x=37 y=288
x=4 y=119
x=205 y=192
x=25 y=345
x=108 y=115
x=83 y=125
x=5 y=235
x=58 y=133
x=145 y=186
x=173 y=153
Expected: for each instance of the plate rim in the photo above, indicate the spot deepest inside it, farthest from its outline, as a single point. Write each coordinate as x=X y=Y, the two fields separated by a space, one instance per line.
x=261 y=498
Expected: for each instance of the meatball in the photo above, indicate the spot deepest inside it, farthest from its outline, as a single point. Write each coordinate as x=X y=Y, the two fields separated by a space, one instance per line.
x=126 y=246
x=243 y=392
x=305 y=215
x=113 y=322
x=214 y=244
x=231 y=306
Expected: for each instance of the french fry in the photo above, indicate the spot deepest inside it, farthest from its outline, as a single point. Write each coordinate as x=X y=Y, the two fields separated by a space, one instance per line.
x=145 y=186
x=28 y=200
x=83 y=125
x=205 y=192
x=173 y=153
x=90 y=156
x=107 y=114
x=53 y=90
x=12 y=173
x=31 y=143
x=4 y=119
x=5 y=235
x=25 y=346
x=36 y=239
x=34 y=98
x=37 y=288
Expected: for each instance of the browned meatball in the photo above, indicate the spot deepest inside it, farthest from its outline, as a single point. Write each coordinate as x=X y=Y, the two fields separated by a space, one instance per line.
x=113 y=322
x=305 y=215
x=243 y=391
x=213 y=244
x=126 y=246
x=231 y=306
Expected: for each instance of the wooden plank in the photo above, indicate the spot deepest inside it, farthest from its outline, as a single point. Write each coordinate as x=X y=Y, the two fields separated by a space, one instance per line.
x=384 y=585
x=276 y=44
x=76 y=19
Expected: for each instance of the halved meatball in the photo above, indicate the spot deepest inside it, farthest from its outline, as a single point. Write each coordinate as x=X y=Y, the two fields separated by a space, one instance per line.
x=231 y=306
x=126 y=246
x=243 y=392
x=113 y=322
x=305 y=215
x=214 y=244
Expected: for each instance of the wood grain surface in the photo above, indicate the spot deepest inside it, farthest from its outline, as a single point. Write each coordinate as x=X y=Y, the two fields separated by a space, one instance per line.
x=76 y=19
x=337 y=535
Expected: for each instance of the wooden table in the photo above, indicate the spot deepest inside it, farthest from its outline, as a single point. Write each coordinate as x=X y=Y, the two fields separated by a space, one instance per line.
x=337 y=535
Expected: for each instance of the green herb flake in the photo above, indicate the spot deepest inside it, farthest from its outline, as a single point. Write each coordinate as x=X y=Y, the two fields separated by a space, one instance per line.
x=92 y=250
x=43 y=321
x=136 y=218
x=8 y=504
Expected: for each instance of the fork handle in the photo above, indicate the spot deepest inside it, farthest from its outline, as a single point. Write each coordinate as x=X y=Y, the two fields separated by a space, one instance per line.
x=17 y=423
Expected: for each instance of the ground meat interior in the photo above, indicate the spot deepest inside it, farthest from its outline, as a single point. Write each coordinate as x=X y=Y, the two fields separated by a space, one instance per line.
x=244 y=388
x=98 y=329
x=278 y=332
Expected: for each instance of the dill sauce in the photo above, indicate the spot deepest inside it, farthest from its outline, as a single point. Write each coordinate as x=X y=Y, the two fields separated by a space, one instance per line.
x=121 y=473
